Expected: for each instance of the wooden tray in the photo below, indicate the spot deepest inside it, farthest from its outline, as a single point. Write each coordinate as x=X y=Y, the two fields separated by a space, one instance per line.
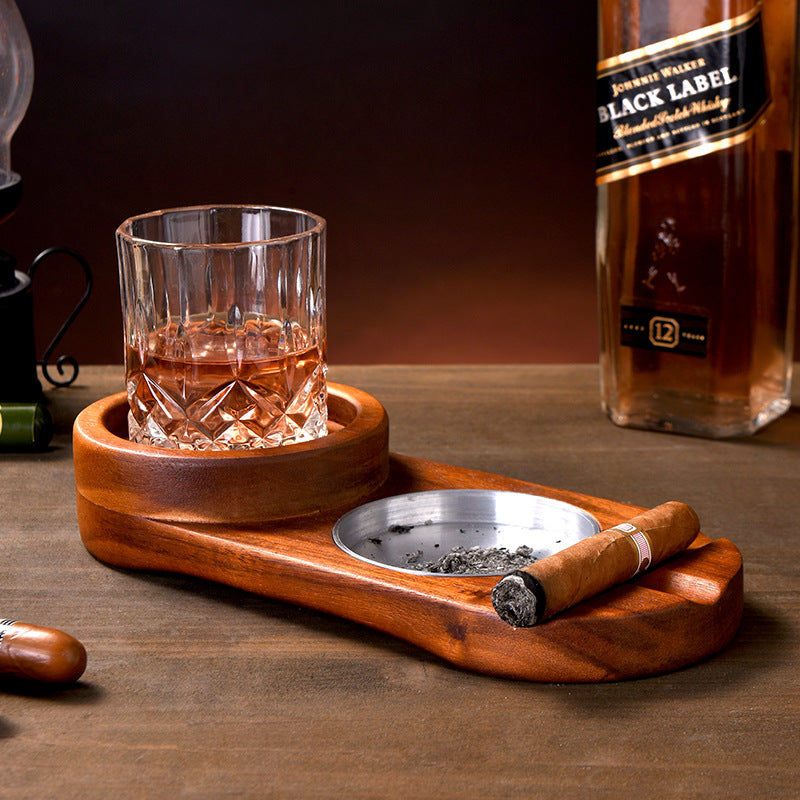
x=676 y=615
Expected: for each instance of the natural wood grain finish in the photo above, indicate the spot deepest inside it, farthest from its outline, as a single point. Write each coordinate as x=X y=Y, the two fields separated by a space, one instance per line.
x=680 y=613
x=232 y=486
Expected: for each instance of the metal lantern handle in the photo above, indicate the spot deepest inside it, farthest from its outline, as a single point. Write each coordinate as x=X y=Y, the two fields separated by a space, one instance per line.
x=63 y=360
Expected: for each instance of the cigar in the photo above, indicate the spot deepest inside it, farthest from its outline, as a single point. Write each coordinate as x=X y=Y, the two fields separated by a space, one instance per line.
x=40 y=654
x=530 y=595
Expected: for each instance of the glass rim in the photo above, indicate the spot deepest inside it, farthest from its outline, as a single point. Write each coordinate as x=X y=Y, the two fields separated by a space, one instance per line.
x=123 y=230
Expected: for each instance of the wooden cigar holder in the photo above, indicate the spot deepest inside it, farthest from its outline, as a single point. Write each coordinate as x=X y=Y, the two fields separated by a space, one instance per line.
x=262 y=520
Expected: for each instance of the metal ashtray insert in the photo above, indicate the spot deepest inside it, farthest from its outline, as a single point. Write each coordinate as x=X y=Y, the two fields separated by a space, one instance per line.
x=416 y=532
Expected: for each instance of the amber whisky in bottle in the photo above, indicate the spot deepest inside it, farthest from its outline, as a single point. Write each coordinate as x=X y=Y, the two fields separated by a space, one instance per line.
x=696 y=217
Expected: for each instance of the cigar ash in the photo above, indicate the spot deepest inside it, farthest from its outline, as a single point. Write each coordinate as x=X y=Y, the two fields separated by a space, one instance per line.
x=442 y=548
x=474 y=560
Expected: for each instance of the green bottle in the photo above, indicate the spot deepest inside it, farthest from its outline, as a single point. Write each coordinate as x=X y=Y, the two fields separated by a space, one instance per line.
x=24 y=426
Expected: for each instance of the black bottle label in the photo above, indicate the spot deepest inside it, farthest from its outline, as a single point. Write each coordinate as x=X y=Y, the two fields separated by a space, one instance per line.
x=665 y=331
x=680 y=98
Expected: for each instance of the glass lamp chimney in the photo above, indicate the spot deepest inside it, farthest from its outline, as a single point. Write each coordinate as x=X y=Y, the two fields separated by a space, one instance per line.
x=16 y=82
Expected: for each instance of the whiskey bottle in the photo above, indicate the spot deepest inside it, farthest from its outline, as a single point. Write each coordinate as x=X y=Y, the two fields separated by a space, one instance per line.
x=696 y=216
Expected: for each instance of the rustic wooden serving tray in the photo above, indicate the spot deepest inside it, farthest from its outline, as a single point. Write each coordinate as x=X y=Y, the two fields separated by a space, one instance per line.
x=262 y=522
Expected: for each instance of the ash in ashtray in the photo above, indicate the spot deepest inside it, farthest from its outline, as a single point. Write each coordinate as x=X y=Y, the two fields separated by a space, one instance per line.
x=461 y=560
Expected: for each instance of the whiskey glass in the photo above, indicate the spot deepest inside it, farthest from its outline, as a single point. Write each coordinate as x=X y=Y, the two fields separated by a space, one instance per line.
x=224 y=326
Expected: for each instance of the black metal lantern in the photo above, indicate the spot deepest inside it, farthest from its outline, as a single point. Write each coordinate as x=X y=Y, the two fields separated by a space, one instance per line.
x=18 y=362
x=20 y=389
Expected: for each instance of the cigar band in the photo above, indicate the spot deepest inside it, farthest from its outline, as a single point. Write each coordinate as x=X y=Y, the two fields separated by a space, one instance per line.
x=638 y=539
x=5 y=624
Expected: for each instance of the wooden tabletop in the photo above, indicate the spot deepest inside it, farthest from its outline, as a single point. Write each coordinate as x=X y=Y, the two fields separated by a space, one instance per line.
x=199 y=690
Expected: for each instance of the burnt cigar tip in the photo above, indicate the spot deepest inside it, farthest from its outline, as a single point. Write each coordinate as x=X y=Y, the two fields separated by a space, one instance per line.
x=514 y=602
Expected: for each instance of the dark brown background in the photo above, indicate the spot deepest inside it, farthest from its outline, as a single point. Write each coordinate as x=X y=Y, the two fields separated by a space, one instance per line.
x=449 y=144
